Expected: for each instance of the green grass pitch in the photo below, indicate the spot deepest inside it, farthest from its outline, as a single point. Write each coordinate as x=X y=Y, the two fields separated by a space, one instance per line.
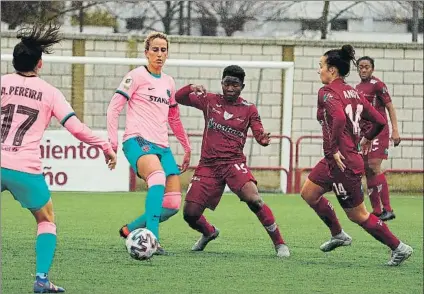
x=91 y=258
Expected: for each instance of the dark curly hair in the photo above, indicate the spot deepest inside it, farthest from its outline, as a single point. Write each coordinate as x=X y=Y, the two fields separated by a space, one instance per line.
x=234 y=71
x=341 y=58
x=34 y=42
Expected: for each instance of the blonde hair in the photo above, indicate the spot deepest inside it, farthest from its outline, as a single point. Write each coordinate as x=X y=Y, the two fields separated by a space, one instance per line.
x=155 y=35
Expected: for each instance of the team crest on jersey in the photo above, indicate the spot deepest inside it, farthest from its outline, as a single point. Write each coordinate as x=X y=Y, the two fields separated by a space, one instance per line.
x=145 y=148
x=227 y=115
x=168 y=92
x=126 y=83
x=373 y=82
x=327 y=96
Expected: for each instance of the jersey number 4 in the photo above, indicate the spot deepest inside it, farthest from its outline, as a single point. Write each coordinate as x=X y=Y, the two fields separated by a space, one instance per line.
x=354 y=117
x=8 y=111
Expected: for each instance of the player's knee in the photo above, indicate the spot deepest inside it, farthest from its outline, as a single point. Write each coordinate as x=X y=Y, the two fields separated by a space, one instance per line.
x=172 y=200
x=190 y=218
x=191 y=213
x=358 y=215
x=44 y=214
x=46 y=228
x=156 y=178
x=255 y=205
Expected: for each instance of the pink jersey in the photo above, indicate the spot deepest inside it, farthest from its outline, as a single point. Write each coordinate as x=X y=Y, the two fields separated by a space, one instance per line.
x=27 y=106
x=149 y=99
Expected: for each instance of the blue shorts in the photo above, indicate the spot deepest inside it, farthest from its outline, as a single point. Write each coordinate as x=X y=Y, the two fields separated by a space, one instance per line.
x=136 y=147
x=30 y=190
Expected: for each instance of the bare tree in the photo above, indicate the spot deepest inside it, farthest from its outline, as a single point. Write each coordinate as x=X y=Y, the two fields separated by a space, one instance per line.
x=168 y=16
x=231 y=15
x=16 y=13
x=324 y=20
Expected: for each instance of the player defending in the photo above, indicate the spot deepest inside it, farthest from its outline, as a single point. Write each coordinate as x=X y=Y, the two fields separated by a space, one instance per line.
x=375 y=91
x=340 y=109
x=150 y=95
x=227 y=120
x=27 y=106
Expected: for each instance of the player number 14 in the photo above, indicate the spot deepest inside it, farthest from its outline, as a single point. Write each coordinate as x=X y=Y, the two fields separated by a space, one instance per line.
x=339 y=189
x=354 y=117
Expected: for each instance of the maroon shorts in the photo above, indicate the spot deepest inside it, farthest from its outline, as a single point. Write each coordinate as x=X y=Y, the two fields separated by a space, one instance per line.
x=380 y=146
x=346 y=185
x=208 y=182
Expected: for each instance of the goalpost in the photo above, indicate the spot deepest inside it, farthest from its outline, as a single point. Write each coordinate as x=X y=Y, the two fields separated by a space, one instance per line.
x=288 y=67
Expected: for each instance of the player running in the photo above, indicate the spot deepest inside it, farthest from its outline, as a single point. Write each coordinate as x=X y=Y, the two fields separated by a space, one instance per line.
x=340 y=109
x=375 y=91
x=227 y=120
x=150 y=95
x=27 y=105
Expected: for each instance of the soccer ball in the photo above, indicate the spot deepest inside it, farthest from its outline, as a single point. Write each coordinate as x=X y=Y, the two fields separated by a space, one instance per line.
x=141 y=244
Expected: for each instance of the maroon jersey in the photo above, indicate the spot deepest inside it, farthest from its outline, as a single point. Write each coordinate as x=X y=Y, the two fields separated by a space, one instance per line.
x=375 y=91
x=340 y=110
x=226 y=125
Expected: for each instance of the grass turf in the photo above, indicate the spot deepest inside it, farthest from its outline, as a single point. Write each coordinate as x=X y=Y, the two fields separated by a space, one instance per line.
x=91 y=258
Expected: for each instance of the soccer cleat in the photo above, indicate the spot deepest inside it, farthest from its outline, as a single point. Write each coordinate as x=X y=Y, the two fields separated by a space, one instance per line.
x=387 y=215
x=400 y=254
x=45 y=286
x=160 y=251
x=342 y=239
x=204 y=240
x=282 y=250
x=124 y=232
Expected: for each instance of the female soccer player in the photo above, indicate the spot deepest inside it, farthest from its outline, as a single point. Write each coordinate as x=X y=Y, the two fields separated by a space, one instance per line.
x=150 y=95
x=27 y=106
x=375 y=91
x=340 y=109
x=228 y=117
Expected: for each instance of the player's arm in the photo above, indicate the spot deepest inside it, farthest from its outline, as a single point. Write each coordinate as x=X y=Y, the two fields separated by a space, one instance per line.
x=122 y=94
x=66 y=115
x=192 y=95
x=257 y=128
x=383 y=94
x=174 y=121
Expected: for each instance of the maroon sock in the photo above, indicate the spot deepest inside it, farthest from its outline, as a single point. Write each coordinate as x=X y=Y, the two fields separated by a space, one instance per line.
x=326 y=212
x=384 y=195
x=267 y=219
x=202 y=226
x=374 y=189
x=378 y=229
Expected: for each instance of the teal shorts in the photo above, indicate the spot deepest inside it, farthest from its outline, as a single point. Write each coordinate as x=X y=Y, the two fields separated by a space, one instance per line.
x=136 y=147
x=30 y=190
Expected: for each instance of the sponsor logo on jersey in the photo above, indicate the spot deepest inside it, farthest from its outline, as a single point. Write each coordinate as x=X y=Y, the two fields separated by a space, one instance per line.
x=159 y=99
x=226 y=129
